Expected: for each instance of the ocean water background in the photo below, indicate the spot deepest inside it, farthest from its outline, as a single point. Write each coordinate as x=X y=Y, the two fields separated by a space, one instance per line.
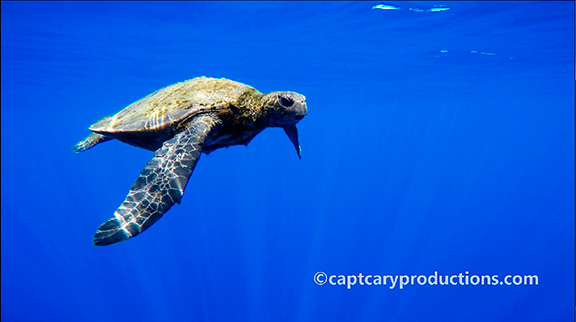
x=439 y=138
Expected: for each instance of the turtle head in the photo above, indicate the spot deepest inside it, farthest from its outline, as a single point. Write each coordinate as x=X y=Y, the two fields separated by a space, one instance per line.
x=285 y=109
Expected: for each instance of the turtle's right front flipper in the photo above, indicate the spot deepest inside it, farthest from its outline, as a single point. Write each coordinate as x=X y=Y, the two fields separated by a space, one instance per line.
x=160 y=185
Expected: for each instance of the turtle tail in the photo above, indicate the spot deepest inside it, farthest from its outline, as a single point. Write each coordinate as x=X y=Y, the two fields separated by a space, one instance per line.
x=89 y=142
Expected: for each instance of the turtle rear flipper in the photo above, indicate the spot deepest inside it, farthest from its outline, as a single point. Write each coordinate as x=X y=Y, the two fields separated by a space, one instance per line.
x=93 y=139
x=160 y=185
x=89 y=142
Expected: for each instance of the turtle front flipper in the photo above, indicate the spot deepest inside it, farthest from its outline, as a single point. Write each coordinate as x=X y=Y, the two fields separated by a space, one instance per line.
x=160 y=185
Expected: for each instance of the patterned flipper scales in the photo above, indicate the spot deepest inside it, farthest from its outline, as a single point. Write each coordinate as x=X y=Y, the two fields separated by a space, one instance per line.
x=160 y=185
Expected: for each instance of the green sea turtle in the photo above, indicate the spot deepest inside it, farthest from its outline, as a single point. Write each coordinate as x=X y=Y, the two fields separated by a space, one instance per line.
x=179 y=122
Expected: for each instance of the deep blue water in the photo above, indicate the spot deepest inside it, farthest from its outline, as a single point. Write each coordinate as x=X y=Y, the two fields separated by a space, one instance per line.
x=439 y=138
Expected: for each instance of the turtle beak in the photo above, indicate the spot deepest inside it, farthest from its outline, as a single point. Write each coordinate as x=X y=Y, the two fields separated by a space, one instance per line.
x=292 y=133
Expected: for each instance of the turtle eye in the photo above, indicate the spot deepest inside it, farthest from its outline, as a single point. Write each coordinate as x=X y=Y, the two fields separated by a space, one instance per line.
x=286 y=101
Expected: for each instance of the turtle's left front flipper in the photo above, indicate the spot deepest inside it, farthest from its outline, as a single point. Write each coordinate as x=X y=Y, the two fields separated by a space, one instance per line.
x=160 y=185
